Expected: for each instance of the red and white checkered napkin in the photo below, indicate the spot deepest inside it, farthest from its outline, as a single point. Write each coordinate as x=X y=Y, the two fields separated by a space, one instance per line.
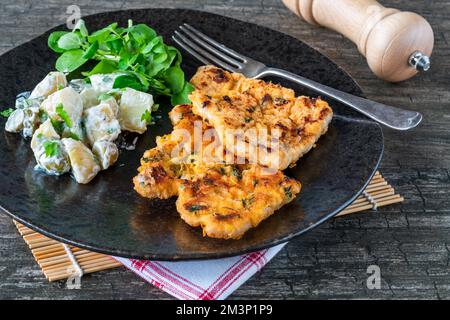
x=201 y=279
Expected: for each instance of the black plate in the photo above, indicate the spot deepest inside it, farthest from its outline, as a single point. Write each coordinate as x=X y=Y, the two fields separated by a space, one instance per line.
x=109 y=217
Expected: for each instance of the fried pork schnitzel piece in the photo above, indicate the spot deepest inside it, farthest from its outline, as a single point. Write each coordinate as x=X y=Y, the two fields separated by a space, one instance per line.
x=235 y=105
x=158 y=175
x=228 y=202
x=224 y=199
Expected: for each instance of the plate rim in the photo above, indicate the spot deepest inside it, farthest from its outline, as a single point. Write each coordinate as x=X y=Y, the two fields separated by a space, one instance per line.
x=209 y=256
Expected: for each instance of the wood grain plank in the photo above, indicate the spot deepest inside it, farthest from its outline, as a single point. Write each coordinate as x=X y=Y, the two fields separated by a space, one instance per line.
x=410 y=241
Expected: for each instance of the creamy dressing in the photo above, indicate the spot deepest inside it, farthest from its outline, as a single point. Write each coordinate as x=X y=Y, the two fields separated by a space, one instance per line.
x=101 y=124
x=106 y=153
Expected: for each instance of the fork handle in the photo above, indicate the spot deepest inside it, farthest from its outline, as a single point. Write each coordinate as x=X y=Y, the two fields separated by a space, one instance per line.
x=389 y=116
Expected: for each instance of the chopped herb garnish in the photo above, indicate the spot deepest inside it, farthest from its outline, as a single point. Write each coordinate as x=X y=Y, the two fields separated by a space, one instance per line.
x=280 y=101
x=63 y=114
x=60 y=87
x=74 y=136
x=236 y=172
x=104 y=96
x=196 y=207
x=7 y=112
x=43 y=116
x=246 y=202
x=58 y=126
x=147 y=117
x=247 y=119
x=287 y=192
x=51 y=148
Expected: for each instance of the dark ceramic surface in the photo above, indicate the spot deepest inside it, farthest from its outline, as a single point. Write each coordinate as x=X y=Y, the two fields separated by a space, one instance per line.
x=109 y=217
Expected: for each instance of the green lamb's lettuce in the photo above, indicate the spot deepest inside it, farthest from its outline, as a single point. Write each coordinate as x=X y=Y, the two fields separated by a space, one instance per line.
x=137 y=52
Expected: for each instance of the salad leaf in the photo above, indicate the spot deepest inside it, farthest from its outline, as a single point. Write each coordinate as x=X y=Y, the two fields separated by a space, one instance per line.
x=127 y=81
x=91 y=51
x=70 y=60
x=69 y=41
x=53 y=40
x=182 y=97
x=137 y=51
x=102 y=34
x=81 y=26
x=175 y=79
x=103 y=67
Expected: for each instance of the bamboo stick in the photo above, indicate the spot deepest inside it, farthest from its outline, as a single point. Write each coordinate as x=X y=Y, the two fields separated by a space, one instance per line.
x=54 y=262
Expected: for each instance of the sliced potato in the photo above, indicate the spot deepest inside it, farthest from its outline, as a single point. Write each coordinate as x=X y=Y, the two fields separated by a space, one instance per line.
x=101 y=124
x=71 y=101
x=79 y=84
x=15 y=121
x=82 y=161
x=106 y=153
x=44 y=132
x=89 y=97
x=113 y=104
x=50 y=84
x=44 y=137
x=54 y=163
x=102 y=83
x=133 y=104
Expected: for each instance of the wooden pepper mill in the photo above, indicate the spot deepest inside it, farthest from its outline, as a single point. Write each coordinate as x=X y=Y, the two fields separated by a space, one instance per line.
x=396 y=44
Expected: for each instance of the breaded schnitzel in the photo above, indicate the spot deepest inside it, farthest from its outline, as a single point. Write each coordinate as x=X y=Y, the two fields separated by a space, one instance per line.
x=225 y=195
x=229 y=201
x=265 y=122
x=224 y=199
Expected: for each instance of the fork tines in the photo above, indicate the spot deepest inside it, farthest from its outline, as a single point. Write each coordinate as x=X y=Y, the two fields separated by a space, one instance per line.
x=207 y=50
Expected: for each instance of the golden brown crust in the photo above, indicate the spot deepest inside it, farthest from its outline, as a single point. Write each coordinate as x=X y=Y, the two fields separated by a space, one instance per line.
x=224 y=199
x=226 y=203
x=294 y=124
x=174 y=157
x=157 y=177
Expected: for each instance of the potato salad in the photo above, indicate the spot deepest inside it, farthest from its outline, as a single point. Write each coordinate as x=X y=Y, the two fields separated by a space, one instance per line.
x=73 y=125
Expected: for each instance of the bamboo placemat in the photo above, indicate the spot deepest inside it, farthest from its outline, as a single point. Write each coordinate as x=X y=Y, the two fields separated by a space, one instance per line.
x=60 y=261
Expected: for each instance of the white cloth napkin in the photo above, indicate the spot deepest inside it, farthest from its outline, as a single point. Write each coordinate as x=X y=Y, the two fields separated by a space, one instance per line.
x=201 y=279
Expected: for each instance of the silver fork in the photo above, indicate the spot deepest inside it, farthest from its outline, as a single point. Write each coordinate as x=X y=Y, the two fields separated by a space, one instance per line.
x=209 y=51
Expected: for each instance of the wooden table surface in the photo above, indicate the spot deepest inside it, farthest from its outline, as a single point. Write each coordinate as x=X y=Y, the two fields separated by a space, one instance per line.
x=409 y=242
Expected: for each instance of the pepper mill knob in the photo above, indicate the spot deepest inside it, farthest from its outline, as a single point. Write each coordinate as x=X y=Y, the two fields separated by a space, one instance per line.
x=396 y=44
